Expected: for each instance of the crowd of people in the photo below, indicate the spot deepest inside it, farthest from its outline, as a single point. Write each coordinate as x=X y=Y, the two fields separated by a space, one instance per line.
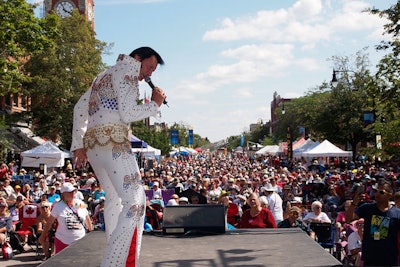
x=258 y=192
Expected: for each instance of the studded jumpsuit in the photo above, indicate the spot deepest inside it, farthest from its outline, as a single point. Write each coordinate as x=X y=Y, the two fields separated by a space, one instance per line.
x=101 y=125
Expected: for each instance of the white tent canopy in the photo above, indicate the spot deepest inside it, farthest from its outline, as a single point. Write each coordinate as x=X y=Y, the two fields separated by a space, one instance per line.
x=183 y=150
x=271 y=150
x=47 y=153
x=148 y=151
x=307 y=146
x=327 y=149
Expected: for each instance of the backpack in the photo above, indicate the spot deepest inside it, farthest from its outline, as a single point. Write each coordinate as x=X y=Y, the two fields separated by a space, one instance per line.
x=16 y=242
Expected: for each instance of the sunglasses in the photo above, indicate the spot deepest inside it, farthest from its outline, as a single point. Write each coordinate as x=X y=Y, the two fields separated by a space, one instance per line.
x=382 y=192
x=45 y=207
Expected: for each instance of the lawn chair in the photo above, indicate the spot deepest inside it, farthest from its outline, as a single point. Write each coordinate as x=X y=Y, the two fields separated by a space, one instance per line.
x=325 y=235
x=27 y=230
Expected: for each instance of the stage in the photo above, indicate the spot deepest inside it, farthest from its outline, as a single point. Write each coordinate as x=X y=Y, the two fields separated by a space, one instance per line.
x=244 y=247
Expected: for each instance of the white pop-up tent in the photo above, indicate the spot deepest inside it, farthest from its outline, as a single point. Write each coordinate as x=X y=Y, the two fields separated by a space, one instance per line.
x=327 y=149
x=148 y=151
x=307 y=146
x=47 y=153
x=268 y=150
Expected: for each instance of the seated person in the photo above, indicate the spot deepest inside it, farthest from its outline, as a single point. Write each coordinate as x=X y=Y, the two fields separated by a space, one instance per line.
x=98 y=215
x=157 y=192
x=5 y=221
x=354 y=242
x=53 y=197
x=97 y=195
x=257 y=216
x=153 y=217
x=183 y=201
x=293 y=219
x=173 y=201
x=341 y=224
x=14 y=211
x=316 y=215
x=194 y=199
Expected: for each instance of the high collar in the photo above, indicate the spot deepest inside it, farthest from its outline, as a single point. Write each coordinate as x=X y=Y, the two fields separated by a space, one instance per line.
x=126 y=58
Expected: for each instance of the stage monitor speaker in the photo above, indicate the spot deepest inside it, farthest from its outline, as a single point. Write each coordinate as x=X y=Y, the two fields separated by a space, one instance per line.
x=194 y=219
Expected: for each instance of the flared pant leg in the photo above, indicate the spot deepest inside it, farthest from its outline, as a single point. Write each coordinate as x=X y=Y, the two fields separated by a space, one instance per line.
x=117 y=170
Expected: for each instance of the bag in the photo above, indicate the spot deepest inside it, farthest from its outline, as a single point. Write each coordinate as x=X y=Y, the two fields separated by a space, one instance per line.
x=16 y=242
x=7 y=251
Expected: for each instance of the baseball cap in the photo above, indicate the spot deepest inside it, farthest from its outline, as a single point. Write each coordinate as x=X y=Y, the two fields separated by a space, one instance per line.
x=67 y=187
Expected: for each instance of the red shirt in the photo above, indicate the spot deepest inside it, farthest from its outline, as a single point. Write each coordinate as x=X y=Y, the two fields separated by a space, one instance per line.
x=264 y=219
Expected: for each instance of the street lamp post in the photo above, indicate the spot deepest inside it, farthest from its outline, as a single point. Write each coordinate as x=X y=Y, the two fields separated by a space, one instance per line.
x=289 y=137
x=335 y=81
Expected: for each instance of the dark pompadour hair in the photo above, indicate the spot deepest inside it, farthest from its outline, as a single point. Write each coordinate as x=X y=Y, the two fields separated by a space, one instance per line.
x=146 y=52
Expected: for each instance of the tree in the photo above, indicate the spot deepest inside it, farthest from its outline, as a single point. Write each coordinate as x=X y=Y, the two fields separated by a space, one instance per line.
x=183 y=129
x=60 y=75
x=21 y=34
x=387 y=93
x=157 y=139
x=336 y=114
x=259 y=133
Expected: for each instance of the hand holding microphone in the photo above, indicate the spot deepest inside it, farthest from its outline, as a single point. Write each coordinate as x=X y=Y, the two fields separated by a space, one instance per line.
x=158 y=94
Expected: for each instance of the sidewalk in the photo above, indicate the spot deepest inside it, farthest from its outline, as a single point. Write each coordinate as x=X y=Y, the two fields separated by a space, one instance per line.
x=26 y=259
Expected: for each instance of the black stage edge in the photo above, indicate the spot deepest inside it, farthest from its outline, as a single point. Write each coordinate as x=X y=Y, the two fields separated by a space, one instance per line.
x=243 y=247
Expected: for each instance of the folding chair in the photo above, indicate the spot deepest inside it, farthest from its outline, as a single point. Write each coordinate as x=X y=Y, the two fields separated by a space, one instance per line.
x=325 y=235
x=28 y=216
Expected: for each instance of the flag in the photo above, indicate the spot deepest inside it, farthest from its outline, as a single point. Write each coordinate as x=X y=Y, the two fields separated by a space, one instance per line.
x=190 y=137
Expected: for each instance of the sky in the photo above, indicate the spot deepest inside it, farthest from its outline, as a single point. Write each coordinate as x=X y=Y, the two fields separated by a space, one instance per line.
x=224 y=59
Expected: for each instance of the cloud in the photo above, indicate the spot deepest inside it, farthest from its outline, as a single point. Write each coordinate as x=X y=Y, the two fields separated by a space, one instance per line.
x=279 y=37
x=300 y=23
x=266 y=46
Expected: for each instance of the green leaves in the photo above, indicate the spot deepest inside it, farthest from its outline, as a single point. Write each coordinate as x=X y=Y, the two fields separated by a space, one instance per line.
x=61 y=74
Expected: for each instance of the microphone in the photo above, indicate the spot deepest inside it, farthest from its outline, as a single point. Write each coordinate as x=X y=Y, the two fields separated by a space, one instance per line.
x=150 y=83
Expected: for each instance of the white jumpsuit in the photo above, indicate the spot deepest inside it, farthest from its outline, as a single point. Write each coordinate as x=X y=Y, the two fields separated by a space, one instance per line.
x=102 y=119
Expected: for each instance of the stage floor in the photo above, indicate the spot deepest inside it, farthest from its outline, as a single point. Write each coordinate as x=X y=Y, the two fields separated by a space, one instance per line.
x=245 y=247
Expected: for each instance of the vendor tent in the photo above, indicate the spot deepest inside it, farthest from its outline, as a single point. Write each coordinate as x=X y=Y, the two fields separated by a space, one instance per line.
x=307 y=146
x=299 y=143
x=47 y=153
x=327 y=149
x=268 y=150
x=136 y=142
x=184 y=151
x=148 y=151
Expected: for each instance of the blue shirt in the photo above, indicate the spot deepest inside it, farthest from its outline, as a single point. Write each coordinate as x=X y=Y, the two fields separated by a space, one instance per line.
x=53 y=198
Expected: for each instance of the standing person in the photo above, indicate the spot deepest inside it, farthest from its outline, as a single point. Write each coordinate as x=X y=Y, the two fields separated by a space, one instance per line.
x=257 y=216
x=102 y=119
x=72 y=217
x=381 y=225
x=41 y=221
x=274 y=202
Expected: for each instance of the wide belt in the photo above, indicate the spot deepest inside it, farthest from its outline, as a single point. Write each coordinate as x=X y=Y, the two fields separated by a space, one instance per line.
x=104 y=134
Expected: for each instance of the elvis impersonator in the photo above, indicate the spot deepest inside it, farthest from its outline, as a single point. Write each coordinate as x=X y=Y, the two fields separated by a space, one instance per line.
x=100 y=135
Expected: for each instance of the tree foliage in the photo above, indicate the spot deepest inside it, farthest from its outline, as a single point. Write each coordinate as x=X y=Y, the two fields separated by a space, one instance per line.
x=332 y=113
x=157 y=139
x=60 y=75
x=21 y=34
x=388 y=82
x=183 y=135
